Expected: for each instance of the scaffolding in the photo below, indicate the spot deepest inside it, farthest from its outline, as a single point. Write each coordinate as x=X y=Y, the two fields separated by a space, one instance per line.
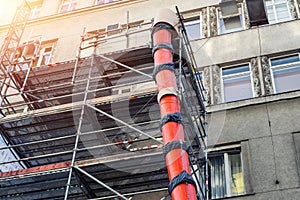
x=90 y=126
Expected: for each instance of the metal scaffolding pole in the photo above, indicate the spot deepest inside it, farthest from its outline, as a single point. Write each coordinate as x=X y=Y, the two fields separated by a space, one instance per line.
x=86 y=133
x=133 y=193
x=47 y=100
x=78 y=56
x=79 y=126
x=100 y=182
x=124 y=123
x=10 y=46
x=85 y=104
x=125 y=66
x=200 y=118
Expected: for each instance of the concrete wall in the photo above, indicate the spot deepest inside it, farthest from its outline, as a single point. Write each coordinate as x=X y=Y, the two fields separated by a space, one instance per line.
x=269 y=130
x=248 y=43
x=68 y=27
x=270 y=150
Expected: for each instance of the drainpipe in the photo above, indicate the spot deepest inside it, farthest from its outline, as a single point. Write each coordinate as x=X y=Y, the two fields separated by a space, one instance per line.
x=182 y=185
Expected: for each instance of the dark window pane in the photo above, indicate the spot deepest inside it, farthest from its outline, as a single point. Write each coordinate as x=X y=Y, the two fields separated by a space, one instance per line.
x=234 y=70
x=285 y=60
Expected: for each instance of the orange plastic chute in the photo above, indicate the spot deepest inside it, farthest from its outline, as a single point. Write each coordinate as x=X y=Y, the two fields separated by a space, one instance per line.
x=176 y=159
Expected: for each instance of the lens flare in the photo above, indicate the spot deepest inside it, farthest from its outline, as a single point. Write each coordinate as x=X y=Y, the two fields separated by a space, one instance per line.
x=7 y=10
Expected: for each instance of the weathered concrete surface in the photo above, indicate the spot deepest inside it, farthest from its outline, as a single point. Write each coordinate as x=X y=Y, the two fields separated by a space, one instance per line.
x=238 y=124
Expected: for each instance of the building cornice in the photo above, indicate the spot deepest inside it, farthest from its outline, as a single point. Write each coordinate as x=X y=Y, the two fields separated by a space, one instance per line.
x=77 y=12
x=254 y=101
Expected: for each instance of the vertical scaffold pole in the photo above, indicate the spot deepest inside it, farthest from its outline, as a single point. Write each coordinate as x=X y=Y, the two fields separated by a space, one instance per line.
x=80 y=124
x=182 y=185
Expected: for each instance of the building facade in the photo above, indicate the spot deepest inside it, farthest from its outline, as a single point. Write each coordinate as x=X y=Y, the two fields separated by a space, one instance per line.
x=250 y=71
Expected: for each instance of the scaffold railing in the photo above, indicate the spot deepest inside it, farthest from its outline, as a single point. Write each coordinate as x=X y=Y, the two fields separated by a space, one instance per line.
x=74 y=106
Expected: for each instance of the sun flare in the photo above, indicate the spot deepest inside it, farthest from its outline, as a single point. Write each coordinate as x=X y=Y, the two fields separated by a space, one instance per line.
x=7 y=10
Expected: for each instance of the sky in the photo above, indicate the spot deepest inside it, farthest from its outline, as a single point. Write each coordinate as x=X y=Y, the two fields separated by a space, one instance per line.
x=7 y=10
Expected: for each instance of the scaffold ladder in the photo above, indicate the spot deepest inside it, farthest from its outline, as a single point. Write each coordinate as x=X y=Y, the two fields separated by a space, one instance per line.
x=201 y=123
x=9 y=49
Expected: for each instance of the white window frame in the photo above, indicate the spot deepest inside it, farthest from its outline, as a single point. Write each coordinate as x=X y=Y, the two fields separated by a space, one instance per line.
x=282 y=66
x=42 y=53
x=242 y=17
x=228 y=173
x=236 y=75
x=274 y=10
x=69 y=3
x=35 y=12
x=196 y=21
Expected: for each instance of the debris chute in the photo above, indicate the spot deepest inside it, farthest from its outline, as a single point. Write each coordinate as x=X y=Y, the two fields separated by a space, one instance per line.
x=182 y=185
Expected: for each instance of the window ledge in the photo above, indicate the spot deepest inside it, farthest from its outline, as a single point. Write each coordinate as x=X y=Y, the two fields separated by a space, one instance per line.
x=238 y=196
x=253 y=101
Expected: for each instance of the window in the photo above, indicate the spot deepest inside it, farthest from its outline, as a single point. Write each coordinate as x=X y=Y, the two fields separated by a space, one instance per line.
x=193 y=29
x=286 y=73
x=35 y=8
x=35 y=12
x=225 y=174
x=45 y=53
x=256 y=12
x=113 y=29
x=101 y=2
x=230 y=20
x=278 y=11
x=67 y=5
x=237 y=83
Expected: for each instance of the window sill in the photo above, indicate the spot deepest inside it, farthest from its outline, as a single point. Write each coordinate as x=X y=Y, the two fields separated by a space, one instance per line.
x=238 y=196
x=253 y=101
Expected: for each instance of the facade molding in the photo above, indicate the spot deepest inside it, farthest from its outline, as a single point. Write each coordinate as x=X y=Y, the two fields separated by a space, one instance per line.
x=207 y=84
x=213 y=21
x=216 y=79
x=253 y=101
x=255 y=77
x=293 y=9
x=76 y=12
x=246 y=15
x=267 y=75
x=204 y=22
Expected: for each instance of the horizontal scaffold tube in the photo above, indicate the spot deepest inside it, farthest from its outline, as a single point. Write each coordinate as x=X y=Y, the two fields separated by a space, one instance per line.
x=182 y=185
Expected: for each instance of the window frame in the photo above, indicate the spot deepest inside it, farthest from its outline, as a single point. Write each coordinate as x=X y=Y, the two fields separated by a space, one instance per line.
x=236 y=75
x=36 y=8
x=225 y=151
x=192 y=21
x=109 y=1
x=242 y=19
x=41 y=53
x=281 y=66
x=35 y=12
x=273 y=4
x=69 y=3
